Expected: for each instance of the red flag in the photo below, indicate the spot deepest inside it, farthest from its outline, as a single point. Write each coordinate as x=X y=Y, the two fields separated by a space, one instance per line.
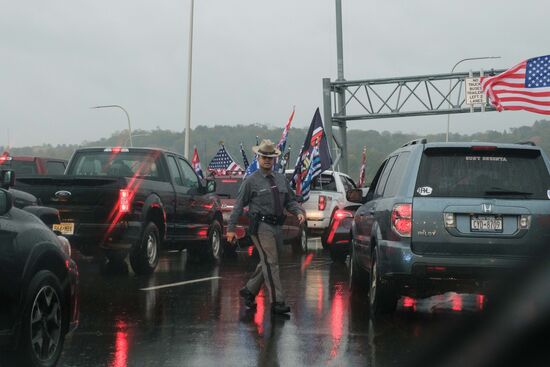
x=526 y=86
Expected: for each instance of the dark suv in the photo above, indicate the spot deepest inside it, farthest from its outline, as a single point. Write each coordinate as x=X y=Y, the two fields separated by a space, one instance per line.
x=448 y=216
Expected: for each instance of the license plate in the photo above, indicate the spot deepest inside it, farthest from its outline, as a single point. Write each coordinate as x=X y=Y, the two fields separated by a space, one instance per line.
x=487 y=223
x=64 y=228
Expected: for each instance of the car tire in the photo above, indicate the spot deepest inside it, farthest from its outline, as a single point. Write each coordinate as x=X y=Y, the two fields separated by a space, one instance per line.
x=358 y=281
x=215 y=242
x=299 y=244
x=144 y=256
x=382 y=295
x=44 y=317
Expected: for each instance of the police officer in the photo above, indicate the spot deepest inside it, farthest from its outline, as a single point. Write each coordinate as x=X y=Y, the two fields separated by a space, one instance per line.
x=266 y=193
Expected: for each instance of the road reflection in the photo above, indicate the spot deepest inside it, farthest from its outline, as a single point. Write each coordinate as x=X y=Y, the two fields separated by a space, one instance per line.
x=206 y=323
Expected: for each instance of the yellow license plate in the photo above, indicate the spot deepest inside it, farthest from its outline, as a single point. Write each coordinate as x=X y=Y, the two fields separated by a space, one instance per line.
x=64 y=228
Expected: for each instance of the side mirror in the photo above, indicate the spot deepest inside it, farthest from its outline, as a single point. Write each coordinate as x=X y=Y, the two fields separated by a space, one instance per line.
x=7 y=179
x=6 y=202
x=355 y=195
x=210 y=186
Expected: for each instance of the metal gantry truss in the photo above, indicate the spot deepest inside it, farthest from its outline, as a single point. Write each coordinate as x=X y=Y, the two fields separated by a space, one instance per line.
x=422 y=95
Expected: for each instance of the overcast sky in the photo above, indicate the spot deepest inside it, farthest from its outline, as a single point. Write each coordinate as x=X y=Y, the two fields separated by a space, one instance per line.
x=252 y=60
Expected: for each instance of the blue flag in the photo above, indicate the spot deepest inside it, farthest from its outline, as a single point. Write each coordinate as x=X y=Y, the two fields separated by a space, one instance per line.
x=313 y=159
x=245 y=160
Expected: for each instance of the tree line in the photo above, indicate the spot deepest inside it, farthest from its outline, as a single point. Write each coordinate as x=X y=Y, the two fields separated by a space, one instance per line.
x=207 y=140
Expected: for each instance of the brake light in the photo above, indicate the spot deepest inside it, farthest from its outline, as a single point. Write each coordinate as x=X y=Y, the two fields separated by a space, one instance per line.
x=483 y=147
x=124 y=201
x=322 y=202
x=116 y=150
x=401 y=219
x=229 y=181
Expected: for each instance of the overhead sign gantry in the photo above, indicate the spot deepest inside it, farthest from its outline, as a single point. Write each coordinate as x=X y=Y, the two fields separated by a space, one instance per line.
x=423 y=95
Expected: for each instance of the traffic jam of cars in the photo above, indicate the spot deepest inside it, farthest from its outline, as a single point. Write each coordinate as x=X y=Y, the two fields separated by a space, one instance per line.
x=436 y=217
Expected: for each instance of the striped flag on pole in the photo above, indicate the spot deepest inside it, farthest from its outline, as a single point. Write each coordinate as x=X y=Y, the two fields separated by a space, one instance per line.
x=245 y=159
x=223 y=163
x=361 y=182
x=279 y=165
x=314 y=158
x=196 y=162
x=526 y=86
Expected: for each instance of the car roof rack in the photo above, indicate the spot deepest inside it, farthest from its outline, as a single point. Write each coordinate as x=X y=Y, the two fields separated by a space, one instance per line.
x=532 y=143
x=416 y=141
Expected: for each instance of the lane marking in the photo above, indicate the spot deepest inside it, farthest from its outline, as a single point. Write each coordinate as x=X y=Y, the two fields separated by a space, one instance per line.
x=178 y=283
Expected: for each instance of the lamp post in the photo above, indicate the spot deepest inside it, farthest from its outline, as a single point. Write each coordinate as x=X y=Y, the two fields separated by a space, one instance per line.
x=189 y=74
x=452 y=71
x=127 y=116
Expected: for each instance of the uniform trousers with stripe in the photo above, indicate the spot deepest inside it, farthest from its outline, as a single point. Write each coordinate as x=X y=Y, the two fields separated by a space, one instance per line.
x=267 y=240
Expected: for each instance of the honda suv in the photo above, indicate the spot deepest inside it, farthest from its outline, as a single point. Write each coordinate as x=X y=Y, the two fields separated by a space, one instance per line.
x=448 y=216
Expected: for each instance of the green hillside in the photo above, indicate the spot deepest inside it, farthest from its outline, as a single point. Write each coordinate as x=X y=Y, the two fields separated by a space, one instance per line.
x=207 y=140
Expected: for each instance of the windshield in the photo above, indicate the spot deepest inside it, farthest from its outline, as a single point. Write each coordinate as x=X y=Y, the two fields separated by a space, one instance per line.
x=513 y=173
x=124 y=164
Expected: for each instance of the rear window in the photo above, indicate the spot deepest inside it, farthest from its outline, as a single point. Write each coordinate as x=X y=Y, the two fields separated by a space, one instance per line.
x=323 y=182
x=228 y=187
x=55 y=167
x=23 y=167
x=510 y=173
x=124 y=164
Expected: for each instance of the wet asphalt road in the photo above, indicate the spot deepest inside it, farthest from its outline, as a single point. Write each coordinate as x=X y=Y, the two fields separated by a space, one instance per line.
x=201 y=320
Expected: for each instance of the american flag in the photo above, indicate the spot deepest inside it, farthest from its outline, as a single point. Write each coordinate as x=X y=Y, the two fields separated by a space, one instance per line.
x=223 y=163
x=197 y=163
x=363 y=167
x=526 y=86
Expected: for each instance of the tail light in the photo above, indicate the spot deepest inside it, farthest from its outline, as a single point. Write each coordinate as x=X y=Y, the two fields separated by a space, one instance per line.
x=322 y=202
x=124 y=201
x=401 y=219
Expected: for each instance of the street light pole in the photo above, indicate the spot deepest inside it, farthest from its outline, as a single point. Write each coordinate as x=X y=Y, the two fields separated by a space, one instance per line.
x=452 y=71
x=189 y=74
x=127 y=116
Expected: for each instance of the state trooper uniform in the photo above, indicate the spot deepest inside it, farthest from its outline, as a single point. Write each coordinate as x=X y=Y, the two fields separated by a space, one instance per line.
x=266 y=194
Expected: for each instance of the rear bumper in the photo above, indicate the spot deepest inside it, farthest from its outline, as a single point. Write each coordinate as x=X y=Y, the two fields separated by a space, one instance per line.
x=397 y=262
x=90 y=237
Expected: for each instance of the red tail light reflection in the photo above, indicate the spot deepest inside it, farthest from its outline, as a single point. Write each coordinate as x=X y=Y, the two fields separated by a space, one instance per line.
x=121 y=346
x=339 y=215
x=124 y=201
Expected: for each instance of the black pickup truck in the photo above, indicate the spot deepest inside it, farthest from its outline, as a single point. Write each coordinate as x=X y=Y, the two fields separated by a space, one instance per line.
x=120 y=201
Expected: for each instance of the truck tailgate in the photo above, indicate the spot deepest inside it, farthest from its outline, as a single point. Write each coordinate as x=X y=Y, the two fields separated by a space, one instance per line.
x=76 y=198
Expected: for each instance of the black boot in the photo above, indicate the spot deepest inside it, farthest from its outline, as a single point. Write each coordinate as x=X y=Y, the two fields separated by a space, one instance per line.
x=249 y=297
x=279 y=308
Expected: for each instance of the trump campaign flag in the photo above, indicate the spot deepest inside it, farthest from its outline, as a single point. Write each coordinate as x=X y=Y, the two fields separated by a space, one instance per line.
x=280 y=164
x=313 y=159
x=361 y=182
x=197 y=163
x=223 y=163
x=526 y=86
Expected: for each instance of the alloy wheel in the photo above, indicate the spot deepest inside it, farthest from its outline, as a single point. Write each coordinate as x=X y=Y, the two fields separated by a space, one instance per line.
x=152 y=249
x=45 y=323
